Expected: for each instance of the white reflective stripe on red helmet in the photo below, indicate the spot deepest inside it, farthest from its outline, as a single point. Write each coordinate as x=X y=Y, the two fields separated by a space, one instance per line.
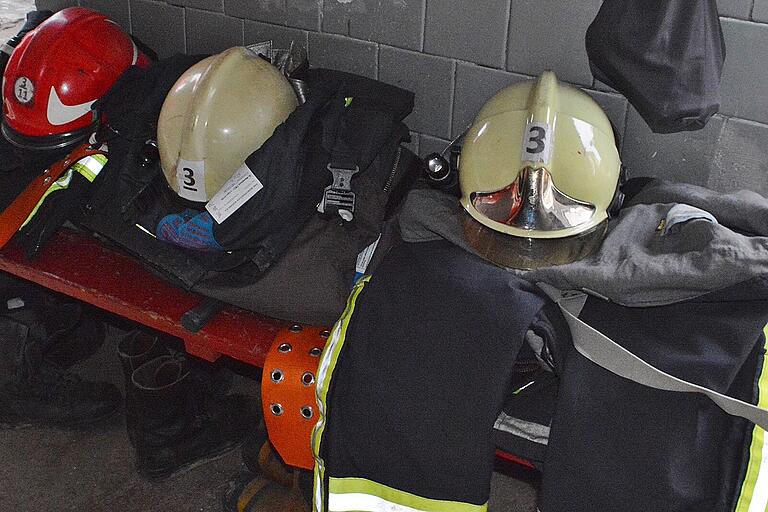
x=59 y=114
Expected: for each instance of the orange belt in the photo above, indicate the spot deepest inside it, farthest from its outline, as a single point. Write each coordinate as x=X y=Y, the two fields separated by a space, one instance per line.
x=288 y=392
x=13 y=217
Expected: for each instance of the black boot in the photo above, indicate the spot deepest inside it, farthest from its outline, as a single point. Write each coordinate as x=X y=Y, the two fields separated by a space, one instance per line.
x=35 y=391
x=134 y=349
x=179 y=422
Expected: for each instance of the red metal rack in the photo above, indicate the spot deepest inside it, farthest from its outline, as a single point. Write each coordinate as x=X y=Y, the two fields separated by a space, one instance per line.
x=82 y=267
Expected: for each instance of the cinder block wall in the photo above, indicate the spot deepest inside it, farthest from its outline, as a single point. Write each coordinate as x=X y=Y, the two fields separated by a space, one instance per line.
x=455 y=54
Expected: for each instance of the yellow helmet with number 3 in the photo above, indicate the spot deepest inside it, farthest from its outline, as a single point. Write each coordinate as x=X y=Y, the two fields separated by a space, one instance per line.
x=539 y=171
x=217 y=113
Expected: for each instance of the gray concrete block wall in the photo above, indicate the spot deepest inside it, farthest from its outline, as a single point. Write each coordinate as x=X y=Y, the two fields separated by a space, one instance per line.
x=455 y=55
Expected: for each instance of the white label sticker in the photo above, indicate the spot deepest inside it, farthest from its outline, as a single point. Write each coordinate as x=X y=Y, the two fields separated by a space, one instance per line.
x=365 y=257
x=537 y=143
x=190 y=177
x=24 y=89
x=238 y=189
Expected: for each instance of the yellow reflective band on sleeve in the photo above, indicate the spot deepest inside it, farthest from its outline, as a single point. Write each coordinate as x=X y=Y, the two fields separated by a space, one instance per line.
x=361 y=495
x=89 y=167
x=59 y=184
x=328 y=360
x=754 y=490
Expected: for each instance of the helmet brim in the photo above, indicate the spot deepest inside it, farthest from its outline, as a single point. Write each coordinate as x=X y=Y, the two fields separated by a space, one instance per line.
x=50 y=142
x=526 y=253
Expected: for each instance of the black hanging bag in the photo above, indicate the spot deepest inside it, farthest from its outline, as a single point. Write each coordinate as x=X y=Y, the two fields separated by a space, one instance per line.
x=665 y=56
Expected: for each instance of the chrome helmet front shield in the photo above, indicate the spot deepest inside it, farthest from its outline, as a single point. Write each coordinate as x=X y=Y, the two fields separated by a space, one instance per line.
x=533 y=203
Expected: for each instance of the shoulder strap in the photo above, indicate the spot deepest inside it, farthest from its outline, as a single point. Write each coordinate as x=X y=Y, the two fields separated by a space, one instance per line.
x=355 y=141
x=611 y=356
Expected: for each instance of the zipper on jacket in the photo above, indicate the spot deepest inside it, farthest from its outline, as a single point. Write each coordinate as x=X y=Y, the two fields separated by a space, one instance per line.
x=391 y=177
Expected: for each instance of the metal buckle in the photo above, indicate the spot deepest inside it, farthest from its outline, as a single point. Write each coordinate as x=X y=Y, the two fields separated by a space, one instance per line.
x=338 y=196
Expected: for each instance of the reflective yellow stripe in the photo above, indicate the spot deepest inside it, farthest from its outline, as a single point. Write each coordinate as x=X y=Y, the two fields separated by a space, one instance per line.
x=754 y=490
x=328 y=360
x=361 y=495
x=59 y=184
x=89 y=167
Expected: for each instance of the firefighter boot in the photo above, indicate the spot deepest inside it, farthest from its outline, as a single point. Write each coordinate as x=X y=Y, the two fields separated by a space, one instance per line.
x=134 y=349
x=178 y=421
x=36 y=391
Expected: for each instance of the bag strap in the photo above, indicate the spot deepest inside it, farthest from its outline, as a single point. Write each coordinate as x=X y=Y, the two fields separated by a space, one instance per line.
x=360 y=133
x=611 y=356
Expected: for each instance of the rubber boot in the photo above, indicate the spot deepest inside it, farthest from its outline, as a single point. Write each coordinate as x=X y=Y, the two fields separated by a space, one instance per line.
x=134 y=349
x=179 y=422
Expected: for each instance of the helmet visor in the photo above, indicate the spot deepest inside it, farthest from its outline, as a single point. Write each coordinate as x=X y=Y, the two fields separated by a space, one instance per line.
x=527 y=253
x=533 y=202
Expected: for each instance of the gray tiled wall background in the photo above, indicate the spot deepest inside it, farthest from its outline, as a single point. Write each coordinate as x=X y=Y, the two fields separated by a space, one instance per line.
x=455 y=54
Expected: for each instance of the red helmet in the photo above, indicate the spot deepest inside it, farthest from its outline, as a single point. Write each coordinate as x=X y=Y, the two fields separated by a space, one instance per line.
x=57 y=72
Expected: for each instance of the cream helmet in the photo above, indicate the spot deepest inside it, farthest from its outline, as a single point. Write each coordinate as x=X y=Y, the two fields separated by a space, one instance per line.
x=539 y=172
x=217 y=113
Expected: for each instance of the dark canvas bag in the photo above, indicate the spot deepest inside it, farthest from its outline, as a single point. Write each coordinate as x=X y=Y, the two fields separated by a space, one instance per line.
x=665 y=56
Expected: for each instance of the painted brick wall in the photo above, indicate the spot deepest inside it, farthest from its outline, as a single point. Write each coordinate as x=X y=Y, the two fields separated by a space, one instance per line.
x=456 y=54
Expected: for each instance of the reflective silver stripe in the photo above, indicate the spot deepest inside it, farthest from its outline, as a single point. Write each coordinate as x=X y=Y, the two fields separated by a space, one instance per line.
x=529 y=430
x=608 y=354
x=94 y=163
x=6 y=48
x=354 y=494
x=759 y=501
x=357 y=502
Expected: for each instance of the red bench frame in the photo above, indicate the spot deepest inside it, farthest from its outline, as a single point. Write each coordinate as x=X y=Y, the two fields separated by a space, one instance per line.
x=80 y=266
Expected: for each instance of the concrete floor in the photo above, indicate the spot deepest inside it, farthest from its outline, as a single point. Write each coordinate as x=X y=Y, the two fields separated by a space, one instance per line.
x=91 y=470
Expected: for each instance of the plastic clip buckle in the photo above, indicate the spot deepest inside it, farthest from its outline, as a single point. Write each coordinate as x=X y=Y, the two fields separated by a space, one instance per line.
x=338 y=196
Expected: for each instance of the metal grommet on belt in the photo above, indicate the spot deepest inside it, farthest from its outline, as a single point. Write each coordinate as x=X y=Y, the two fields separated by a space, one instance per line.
x=277 y=375
x=288 y=391
x=308 y=379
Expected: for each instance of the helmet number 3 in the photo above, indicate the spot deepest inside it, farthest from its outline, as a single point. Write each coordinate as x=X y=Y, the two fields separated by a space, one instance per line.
x=23 y=89
x=537 y=143
x=190 y=178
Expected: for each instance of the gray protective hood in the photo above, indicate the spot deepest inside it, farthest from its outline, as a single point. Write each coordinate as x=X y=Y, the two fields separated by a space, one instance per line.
x=671 y=242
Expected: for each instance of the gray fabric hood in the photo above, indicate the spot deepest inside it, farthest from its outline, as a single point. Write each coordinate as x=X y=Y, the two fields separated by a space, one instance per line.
x=652 y=255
